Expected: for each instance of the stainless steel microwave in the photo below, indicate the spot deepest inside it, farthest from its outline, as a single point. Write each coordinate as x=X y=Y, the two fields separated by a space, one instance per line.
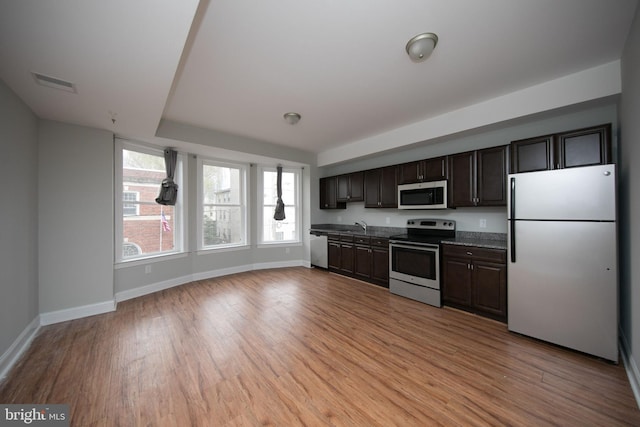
x=423 y=195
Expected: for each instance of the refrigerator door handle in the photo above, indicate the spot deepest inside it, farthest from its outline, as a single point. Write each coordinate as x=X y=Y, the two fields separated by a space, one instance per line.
x=512 y=223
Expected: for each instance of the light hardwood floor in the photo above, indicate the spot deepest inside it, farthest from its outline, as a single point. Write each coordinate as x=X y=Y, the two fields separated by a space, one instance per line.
x=298 y=346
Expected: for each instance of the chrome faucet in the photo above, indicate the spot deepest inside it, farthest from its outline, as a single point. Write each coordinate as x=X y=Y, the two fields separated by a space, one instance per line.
x=362 y=224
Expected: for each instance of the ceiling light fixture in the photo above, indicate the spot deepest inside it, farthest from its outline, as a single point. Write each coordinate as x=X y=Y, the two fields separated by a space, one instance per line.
x=420 y=47
x=292 y=118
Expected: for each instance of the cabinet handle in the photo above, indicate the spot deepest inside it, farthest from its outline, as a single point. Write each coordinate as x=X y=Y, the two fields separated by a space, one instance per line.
x=472 y=266
x=442 y=168
x=470 y=253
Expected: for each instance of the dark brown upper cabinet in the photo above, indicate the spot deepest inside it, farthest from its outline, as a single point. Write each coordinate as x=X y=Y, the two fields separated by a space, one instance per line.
x=423 y=170
x=533 y=154
x=328 y=194
x=478 y=178
x=582 y=147
x=381 y=187
x=351 y=187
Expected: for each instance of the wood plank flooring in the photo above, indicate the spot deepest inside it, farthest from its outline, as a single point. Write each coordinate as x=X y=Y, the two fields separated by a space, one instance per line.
x=299 y=346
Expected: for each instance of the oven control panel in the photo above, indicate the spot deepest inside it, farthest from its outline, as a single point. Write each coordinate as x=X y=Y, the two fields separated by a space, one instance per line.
x=432 y=224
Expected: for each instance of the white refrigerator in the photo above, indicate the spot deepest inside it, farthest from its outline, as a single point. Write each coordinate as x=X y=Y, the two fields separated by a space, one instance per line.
x=563 y=264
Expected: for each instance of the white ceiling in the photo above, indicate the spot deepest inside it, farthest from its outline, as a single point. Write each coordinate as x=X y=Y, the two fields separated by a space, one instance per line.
x=237 y=66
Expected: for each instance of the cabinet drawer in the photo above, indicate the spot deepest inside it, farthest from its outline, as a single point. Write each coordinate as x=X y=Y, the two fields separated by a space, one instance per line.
x=379 y=242
x=361 y=240
x=474 y=252
x=332 y=236
x=346 y=238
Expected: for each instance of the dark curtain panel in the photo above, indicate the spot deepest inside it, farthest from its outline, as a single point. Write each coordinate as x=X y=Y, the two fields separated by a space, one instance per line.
x=168 y=188
x=279 y=213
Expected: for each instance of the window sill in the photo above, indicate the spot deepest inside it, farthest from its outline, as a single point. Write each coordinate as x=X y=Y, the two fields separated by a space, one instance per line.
x=150 y=259
x=223 y=249
x=290 y=243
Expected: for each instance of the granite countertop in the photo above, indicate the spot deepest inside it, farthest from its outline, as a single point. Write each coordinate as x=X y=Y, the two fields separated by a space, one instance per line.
x=463 y=238
x=372 y=231
x=483 y=240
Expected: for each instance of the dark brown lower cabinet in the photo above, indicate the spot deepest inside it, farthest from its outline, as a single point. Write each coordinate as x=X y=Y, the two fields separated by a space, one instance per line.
x=340 y=253
x=360 y=257
x=475 y=279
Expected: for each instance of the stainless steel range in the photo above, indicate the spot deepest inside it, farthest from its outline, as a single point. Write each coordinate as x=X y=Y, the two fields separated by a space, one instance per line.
x=414 y=259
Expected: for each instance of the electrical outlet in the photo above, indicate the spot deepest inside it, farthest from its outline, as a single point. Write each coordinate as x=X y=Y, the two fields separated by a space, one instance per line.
x=387 y=220
x=147 y=269
x=339 y=218
x=483 y=223
x=287 y=250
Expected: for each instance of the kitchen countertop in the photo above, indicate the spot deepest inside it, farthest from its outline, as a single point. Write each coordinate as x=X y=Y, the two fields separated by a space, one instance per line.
x=372 y=231
x=463 y=238
x=483 y=240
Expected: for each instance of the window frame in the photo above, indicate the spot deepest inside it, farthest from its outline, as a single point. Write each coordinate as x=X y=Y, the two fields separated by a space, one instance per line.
x=297 y=204
x=244 y=169
x=179 y=209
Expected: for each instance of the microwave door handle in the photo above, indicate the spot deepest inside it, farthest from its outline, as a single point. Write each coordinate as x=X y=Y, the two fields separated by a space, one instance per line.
x=512 y=223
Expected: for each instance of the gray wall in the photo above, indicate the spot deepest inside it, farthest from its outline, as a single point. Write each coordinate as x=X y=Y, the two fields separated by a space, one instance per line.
x=468 y=219
x=75 y=216
x=19 y=219
x=629 y=194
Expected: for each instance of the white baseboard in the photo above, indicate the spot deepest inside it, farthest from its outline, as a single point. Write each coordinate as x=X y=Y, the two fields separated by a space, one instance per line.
x=77 y=312
x=13 y=353
x=630 y=366
x=154 y=287
x=277 y=264
x=222 y=272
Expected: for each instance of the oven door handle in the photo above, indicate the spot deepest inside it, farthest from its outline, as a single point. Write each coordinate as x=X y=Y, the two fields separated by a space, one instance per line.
x=412 y=245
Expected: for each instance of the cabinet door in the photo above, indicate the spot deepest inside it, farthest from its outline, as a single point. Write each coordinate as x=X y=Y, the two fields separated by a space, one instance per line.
x=362 y=262
x=389 y=187
x=409 y=173
x=356 y=187
x=342 y=188
x=334 y=256
x=328 y=194
x=372 y=188
x=533 y=154
x=584 y=147
x=492 y=176
x=461 y=179
x=490 y=289
x=346 y=258
x=435 y=169
x=456 y=281
x=380 y=265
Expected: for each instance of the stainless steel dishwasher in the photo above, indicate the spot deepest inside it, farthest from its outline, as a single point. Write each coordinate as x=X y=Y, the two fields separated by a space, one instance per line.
x=318 y=243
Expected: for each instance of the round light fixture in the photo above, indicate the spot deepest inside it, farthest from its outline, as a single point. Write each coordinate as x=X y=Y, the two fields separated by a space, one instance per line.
x=292 y=118
x=420 y=47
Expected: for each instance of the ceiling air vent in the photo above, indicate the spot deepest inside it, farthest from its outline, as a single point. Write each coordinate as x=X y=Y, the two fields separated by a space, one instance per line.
x=53 y=82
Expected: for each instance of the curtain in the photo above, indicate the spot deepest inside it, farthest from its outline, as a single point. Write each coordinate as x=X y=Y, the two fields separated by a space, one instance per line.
x=279 y=213
x=169 y=189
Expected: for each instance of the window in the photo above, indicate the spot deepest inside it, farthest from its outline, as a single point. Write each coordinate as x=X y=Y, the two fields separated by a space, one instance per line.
x=145 y=228
x=130 y=209
x=288 y=230
x=223 y=206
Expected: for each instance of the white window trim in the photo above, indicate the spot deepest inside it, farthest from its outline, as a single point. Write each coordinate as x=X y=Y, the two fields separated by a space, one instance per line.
x=245 y=179
x=260 y=208
x=180 y=210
